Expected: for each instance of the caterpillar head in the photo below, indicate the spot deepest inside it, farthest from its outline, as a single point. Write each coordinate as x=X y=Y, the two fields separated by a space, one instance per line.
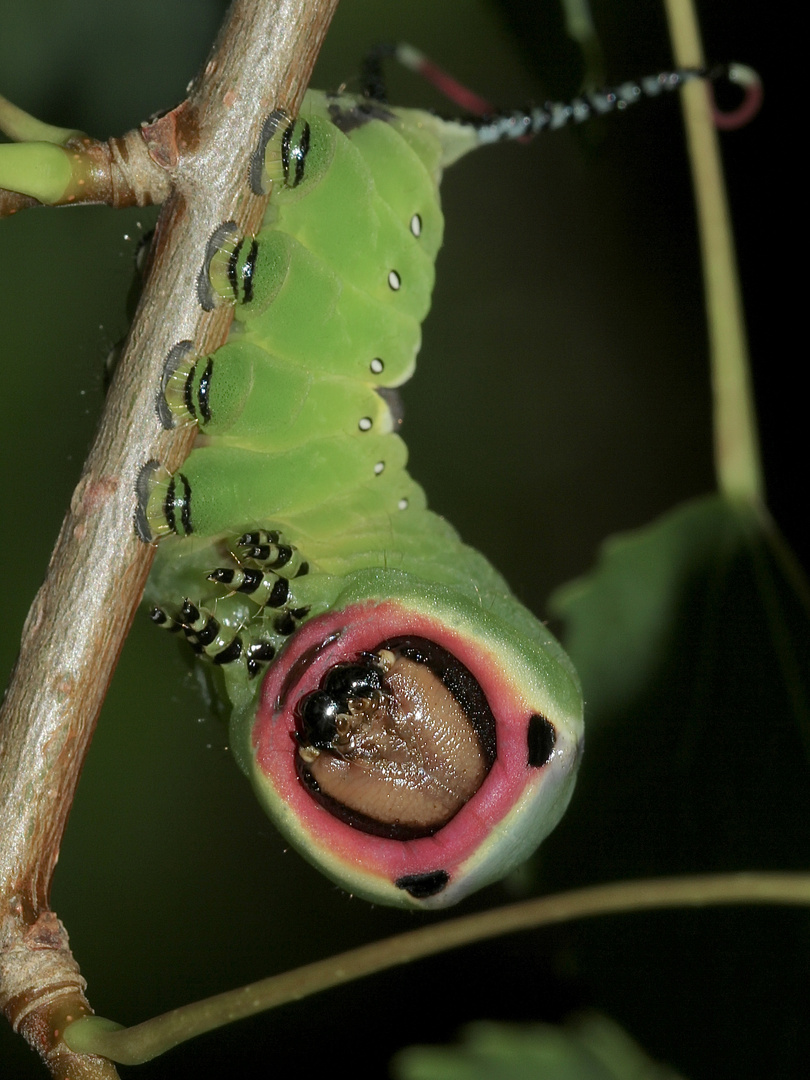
x=411 y=745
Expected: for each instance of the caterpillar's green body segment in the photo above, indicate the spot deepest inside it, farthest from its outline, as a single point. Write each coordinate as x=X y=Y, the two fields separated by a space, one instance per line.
x=417 y=730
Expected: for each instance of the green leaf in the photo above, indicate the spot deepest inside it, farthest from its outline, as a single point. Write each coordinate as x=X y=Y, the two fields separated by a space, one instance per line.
x=692 y=639
x=710 y=575
x=592 y=1048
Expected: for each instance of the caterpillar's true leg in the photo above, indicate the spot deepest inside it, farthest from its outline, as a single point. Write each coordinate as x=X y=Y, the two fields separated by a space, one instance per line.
x=267 y=589
x=203 y=631
x=206 y=635
x=271 y=550
x=208 y=639
x=267 y=581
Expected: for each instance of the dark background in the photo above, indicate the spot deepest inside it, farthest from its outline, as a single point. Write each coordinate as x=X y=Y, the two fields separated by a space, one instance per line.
x=562 y=395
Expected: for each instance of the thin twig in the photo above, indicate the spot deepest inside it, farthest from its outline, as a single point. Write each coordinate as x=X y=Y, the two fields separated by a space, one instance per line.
x=118 y=172
x=132 y=1046
x=736 y=444
x=79 y=620
x=65 y=167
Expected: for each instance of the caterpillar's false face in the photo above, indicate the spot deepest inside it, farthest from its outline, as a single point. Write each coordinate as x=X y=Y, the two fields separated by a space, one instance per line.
x=410 y=747
x=396 y=742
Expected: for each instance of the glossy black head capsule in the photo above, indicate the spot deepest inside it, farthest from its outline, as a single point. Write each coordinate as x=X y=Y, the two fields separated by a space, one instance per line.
x=346 y=681
x=318 y=714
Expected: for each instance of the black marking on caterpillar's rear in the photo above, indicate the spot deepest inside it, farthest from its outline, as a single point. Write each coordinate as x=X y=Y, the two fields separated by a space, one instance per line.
x=541 y=739
x=422 y=886
x=221 y=237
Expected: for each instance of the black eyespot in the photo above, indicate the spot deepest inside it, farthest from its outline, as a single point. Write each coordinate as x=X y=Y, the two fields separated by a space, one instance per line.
x=541 y=740
x=421 y=886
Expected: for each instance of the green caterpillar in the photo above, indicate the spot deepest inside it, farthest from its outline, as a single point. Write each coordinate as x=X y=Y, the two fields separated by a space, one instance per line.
x=407 y=724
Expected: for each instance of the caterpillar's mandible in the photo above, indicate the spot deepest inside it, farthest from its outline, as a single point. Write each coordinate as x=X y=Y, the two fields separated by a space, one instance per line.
x=405 y=721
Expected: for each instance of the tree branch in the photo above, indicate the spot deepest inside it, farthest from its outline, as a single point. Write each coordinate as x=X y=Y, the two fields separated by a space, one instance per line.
x=79 y=619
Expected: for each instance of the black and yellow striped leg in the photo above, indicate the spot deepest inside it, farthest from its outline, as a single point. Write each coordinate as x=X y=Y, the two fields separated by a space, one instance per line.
x=203 y=631
x=206 y=635
x=267 y=589
x=271 y=550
